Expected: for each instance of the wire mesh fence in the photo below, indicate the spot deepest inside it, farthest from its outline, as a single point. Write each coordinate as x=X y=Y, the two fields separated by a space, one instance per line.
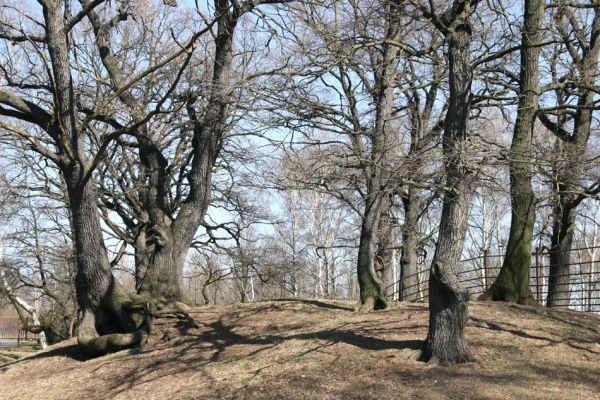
x=478 y=273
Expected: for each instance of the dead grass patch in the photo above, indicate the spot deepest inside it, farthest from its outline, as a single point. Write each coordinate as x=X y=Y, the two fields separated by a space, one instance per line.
x=317 y=349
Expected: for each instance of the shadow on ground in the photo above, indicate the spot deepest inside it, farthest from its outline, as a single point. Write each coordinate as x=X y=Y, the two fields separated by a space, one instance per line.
x=226 y=339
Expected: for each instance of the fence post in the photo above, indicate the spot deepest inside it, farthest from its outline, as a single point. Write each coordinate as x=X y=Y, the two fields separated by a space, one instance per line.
x=486 y=273
x=538 y=276
x=400 y=294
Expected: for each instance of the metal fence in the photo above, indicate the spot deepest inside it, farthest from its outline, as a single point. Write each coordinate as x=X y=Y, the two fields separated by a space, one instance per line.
x=10 y=330
x=478 y=274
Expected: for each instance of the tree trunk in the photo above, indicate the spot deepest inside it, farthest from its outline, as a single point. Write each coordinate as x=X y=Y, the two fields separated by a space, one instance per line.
x=571 y=168
x=99 y=296
x=559 y=278
x=512 y=284
x=161 y=257
x=164 y=276
x=385 y=252
x=160 y=253
x=409 y=281
x=141 y=257
x=448 y=299
x=243 y=293
x=370 y=284
x=369 y=281
x=205 y=296
x=159 y=269
x=570 y=172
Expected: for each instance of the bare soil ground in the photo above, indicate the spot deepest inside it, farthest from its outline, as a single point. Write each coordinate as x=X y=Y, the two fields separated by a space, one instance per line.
x=310 y=349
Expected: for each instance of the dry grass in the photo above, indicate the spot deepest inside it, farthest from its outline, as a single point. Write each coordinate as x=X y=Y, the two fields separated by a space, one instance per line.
x=311 y=349
x=12 y=354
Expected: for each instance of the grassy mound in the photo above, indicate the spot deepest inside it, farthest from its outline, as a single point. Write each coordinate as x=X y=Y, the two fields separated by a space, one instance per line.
x=309 y=349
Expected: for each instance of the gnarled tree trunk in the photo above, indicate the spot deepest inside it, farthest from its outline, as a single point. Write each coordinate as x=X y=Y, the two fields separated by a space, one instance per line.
x=448 y=299
x=99 y=297
x=162 y=240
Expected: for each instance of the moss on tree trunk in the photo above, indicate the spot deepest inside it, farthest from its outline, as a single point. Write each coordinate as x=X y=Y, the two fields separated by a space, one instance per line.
x=512 y=284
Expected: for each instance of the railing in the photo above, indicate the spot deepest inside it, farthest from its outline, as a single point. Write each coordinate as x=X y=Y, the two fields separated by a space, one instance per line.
x=477 y=275
x=10 y=329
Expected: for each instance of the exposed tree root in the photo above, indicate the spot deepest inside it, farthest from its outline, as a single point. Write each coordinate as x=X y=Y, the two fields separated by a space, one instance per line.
x=135 y=315
x=498 y=293
x=371 y=303
x=111 y=343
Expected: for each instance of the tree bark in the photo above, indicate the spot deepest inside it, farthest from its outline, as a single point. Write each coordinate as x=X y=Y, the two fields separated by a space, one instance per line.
x=163 y=241
x=369 y=281
x=559 y=279
x=99 y=297
x=512 y=284
x=570 y=169
x=448 y=299
x=370 y=284
x=408 y=262
x=159 y=255
x=385 y=252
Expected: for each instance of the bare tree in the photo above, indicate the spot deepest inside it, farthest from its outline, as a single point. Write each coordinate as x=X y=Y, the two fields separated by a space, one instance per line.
x=20 y=304
x=574 y=84
x=352 y=126
x=40 y=256
x=165 y=215
x=57 y=131
x=448 y=299
x=512 y=283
